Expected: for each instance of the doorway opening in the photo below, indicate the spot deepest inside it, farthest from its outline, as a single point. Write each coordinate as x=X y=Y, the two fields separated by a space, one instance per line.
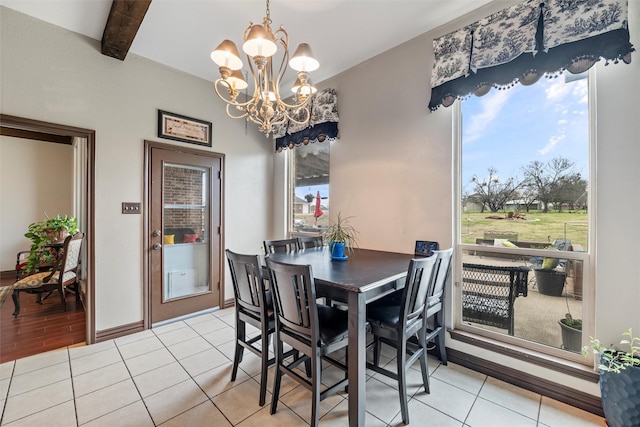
x=82 y=142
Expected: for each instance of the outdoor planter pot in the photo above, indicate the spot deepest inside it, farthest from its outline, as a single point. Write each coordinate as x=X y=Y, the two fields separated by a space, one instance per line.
x=550 y=282
x=571 y=337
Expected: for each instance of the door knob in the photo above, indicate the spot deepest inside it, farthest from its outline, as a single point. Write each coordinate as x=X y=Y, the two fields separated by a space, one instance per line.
x=157 y=246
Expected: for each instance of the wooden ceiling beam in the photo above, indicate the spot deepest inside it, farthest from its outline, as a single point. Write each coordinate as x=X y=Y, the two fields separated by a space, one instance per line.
x=122 y=26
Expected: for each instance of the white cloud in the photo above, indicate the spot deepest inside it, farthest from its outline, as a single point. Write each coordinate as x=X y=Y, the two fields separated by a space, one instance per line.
x=562 y=121
x=491 y=105
x=557 y=91
x=553 y=141
x=581 y=91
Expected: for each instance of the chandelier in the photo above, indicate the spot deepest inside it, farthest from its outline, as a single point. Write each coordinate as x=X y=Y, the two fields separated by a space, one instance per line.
x=266 y=107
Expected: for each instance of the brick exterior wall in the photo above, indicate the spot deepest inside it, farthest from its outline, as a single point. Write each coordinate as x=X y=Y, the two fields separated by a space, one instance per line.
x=183 y=186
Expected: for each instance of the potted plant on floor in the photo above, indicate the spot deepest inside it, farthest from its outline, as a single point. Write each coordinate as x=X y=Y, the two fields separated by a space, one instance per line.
x=341 y=235
x=619 y=379
x=46 y=232
x=571 y=330
x=571 y=333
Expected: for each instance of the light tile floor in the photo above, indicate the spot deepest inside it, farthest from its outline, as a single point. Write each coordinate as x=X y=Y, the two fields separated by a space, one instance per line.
x=178 y=375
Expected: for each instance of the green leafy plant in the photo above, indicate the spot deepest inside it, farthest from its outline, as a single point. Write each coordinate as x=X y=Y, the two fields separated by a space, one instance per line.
x=614 y=359
x=341 y=231
x=43 y=233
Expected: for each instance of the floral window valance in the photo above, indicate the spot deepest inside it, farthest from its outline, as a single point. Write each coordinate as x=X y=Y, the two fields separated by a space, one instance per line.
x=526 y=41
x=322 y=125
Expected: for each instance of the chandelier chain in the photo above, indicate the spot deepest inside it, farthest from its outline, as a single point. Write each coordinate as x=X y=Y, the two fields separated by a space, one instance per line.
x=268 y=18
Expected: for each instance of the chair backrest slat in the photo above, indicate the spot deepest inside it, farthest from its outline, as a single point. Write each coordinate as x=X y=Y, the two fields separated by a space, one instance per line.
x=440 y=272
x=278 y=246
x=248 y=283
x=305 y=242
x=414 y=296
x=294 y=297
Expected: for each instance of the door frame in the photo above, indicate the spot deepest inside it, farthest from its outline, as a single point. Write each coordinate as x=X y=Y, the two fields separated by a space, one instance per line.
x=146 y=239
x=47 y=131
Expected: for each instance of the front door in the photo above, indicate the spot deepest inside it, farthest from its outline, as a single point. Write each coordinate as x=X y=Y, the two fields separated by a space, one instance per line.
x=184 y=241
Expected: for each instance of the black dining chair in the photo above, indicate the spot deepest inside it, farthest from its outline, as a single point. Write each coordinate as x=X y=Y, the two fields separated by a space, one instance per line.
x=253 y=306
x=315 y=330
x=282 y=245
x=435 y=301
x=305 y=242
x=394 y=323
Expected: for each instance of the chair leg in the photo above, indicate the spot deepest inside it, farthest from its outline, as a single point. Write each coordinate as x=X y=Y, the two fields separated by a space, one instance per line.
x=62 y=299
x=278 y=375
x=16 y=301
x=424 y=366
x=265 y=366
x=402 y=380
x=441 y=347
x=377 y=345
x=316 y=368
x=240 y=337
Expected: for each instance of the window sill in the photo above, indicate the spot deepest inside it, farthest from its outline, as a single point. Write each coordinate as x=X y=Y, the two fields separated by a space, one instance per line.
x=556 y=364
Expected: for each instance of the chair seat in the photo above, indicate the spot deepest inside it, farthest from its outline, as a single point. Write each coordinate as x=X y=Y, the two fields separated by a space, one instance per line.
x=333 y=324
x=37 y=280
x=385 y=311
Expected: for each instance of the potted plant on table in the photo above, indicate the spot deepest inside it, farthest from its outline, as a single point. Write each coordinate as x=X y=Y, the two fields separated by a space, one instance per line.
x=619 y=379
x=341 y=235
x=43 y=233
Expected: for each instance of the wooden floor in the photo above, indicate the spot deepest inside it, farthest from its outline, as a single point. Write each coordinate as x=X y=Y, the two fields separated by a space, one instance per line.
x=39 y=328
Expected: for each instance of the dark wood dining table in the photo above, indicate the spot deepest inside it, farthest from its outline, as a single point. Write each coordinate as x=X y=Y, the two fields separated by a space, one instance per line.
x=364 y=277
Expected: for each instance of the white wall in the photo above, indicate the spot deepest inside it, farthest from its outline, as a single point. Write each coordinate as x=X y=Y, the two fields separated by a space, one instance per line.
x=31 y=168
x=55 y=75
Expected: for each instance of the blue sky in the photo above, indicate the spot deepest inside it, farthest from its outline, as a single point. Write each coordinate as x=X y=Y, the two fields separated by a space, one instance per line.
x=507 y=129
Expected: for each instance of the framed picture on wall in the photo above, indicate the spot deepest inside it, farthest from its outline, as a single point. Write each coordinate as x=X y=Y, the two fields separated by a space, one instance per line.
x=186 y=129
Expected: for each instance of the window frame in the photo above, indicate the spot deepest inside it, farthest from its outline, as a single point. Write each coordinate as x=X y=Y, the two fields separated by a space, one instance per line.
x=588 y=257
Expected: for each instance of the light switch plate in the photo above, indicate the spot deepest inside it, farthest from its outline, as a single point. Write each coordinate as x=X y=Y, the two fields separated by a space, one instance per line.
x=131 y=207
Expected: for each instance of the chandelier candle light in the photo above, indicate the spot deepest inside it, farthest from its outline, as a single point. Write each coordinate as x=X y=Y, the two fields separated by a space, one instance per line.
x=266 y=107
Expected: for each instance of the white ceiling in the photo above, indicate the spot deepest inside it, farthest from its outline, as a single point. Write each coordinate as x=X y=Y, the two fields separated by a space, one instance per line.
x=182 y=33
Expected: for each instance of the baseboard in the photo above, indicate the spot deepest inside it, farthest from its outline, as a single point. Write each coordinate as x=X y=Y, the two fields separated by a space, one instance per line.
x=119 y=331
x=229 y=303
x=5 y=275
x=559 y=392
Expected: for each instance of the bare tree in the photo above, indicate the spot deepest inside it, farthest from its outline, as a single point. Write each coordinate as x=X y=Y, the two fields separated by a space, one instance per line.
x=493 y=192
x=568 y=190
x=545 y=179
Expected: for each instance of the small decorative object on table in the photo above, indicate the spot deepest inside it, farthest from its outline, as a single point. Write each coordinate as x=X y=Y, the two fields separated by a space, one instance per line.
x=341 y=235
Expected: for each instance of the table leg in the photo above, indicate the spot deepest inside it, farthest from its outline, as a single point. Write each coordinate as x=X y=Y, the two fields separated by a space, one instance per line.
x=357 y=358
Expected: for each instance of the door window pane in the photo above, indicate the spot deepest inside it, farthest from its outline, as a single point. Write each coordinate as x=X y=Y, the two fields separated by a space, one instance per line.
x=185 y=218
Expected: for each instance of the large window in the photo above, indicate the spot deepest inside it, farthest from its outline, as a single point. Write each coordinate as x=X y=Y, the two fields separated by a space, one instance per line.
x=309 y=186
x=523 y=216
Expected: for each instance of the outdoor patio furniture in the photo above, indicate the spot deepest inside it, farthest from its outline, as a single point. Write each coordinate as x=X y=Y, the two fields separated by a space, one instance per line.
x=489 y=293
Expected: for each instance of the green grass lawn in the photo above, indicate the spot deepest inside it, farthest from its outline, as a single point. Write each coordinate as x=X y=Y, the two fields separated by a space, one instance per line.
x=536 y=227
